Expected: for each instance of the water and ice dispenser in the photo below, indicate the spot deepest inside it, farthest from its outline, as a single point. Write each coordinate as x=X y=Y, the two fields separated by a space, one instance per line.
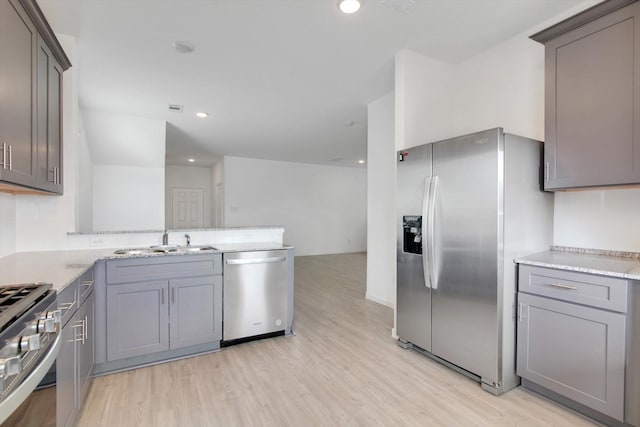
x=412 y=230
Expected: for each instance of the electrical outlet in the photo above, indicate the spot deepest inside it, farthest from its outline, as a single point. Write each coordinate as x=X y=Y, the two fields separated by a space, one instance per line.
x=96 y=241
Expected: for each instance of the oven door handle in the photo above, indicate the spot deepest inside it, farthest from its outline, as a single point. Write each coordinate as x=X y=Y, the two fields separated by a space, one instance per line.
x=22 y=392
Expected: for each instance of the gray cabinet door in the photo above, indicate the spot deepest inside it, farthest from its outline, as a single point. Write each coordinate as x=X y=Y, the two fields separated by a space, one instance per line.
x=593 y=103
x=137 y=319
x=18 y=38
x=48 y=89
x=86 y=348
x=66 y=374
x=195 y=311
x=576 y=351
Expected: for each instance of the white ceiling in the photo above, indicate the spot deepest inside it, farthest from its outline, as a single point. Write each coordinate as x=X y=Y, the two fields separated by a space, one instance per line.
x=280 y=78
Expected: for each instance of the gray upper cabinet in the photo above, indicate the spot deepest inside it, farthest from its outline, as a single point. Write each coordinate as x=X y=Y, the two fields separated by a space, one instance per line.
x=31 y=66
x=18 y=40
x=49 y=107
x=592 y=98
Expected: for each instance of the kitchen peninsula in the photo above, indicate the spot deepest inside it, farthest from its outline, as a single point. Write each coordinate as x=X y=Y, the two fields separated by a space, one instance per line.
x=127 y=309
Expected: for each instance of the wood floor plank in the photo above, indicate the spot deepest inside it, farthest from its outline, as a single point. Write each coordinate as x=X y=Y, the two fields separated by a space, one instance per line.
x=341 y=369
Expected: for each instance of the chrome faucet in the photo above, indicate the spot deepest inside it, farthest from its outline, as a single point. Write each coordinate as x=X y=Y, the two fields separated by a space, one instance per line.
x=188 y=239
x=165 y=238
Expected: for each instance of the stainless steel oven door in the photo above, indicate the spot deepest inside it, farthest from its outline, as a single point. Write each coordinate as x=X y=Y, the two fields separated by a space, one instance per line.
x=25 y=406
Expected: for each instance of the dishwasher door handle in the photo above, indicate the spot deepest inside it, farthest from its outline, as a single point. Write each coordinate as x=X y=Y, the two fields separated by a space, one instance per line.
x=256 y=260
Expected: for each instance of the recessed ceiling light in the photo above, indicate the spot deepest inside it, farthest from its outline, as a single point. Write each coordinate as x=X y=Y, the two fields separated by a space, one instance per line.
x=361 y=161
x=191 y=160
x=349 y=6
x=202 y=114
x=183 y=47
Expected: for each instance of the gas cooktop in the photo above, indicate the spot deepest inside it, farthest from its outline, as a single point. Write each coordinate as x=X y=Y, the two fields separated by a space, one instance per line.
x=18 y=299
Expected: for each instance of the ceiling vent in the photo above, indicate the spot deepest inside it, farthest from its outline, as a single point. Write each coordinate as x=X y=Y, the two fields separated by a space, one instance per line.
x=175 y=108
x=399 y=5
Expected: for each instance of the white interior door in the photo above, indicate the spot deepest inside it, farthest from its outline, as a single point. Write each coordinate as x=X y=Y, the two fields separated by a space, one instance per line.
x=188 y=208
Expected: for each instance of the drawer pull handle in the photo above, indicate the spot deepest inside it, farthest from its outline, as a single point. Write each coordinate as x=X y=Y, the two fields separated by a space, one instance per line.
x=67 y=305
x=568 y=287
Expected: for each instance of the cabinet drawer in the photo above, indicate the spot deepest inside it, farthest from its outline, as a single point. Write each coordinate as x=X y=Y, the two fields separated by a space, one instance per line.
x=157 y=268
x=597 y=291
x=68 y=301
x=85 y=286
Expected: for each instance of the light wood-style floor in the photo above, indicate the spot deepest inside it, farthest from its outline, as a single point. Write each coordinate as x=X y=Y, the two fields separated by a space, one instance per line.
x=341 y=369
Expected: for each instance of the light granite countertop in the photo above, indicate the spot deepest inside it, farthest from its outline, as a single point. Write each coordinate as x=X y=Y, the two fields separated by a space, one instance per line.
x=623 y=265
x=61 y=268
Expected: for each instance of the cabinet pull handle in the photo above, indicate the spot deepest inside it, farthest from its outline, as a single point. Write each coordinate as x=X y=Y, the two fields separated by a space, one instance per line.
x=51 y=171
x=162 y=296
x=4 y=156
x=85 y=328
x=546 y=171
x=67 y=305
x=520 y=308
x=568 y=287
x=173 y=295
x=82 y=334
x=10 y=158
x=87 y=283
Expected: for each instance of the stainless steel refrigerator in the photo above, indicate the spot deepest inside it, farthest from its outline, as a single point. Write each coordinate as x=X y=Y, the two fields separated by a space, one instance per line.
x=466 y=208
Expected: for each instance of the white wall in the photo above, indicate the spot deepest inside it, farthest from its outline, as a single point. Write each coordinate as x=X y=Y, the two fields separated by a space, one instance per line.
x=127 y=198
x=119 y=139
x=423 y=99
x=128 y=156
x=84 y=183
x=381 y=203
x=7 y=224
x=188 y=177
x=322 y=208
x=602 y=219
x=502 y=87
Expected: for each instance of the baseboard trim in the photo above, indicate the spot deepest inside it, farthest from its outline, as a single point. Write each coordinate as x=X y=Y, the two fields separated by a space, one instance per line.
x=379 y=300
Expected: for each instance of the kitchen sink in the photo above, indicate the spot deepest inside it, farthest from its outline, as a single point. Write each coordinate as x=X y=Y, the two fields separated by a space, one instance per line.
x=196 y=248
x=166 y=249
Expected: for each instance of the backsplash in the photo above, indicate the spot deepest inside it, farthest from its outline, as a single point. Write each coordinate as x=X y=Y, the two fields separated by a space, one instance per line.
x=599 y=219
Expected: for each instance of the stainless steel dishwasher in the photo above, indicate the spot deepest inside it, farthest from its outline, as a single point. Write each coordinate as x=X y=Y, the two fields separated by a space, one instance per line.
x=255 y=293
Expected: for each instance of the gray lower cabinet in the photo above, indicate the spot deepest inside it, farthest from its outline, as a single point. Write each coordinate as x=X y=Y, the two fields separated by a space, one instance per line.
x=195 y=311
x=573 y=350
x=159 y=304
x=74 y=364
x=137 y=319
x=66 y=375
x=86 y=348
x=576 y=341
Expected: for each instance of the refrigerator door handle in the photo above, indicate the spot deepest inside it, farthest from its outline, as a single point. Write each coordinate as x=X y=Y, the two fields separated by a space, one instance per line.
x=431 y=229
x=426 y=198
